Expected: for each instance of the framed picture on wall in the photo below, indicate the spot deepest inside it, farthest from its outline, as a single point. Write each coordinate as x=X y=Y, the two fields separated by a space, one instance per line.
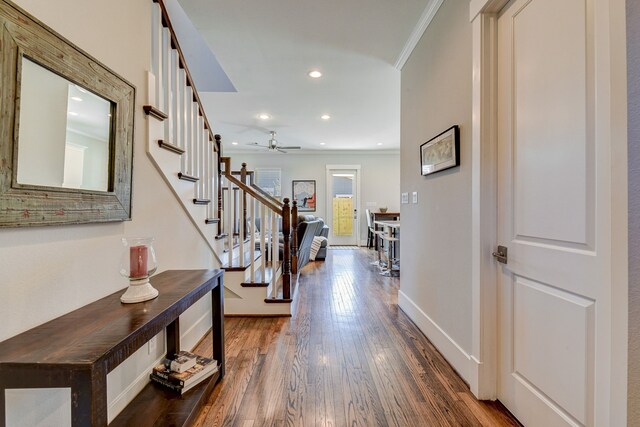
x=304 y=192
x=441 y=152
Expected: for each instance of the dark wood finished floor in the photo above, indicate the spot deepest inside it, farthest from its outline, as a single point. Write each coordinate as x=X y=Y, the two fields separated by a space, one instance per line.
x=348 y=357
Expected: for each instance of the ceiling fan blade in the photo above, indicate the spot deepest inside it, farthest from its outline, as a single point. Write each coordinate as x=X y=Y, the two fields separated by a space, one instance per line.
x=291 y=148
x=281 y=150
x=255 y=144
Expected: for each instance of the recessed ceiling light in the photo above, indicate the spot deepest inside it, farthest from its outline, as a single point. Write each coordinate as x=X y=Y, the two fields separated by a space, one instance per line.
x=315 y=74
x=325 y=117
x=322 y=143
x=379 y=143
x=234 y=143
x=71 y=113
x=264 y=116
x=76 y=98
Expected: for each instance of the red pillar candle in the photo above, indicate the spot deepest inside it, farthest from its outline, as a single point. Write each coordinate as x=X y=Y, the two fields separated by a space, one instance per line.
x=138 y=262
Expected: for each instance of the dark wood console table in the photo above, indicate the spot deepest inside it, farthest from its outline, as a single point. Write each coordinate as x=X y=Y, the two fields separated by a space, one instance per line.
x=79 y=349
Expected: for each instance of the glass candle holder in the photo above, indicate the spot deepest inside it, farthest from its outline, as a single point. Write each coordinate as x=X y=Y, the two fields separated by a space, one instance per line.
x=137 y=264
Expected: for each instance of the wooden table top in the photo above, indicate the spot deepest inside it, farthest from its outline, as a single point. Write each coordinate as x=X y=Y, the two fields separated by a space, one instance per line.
x=91 y=333
x=390 y=224
x=386 y=214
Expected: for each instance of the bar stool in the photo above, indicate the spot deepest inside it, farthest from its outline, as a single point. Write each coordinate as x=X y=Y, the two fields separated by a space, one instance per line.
x=392 y=261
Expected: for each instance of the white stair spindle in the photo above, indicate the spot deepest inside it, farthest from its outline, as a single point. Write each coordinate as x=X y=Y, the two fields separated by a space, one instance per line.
x=157 y=47
x=166 y=84
x=229 y=231
x=176 y=90
x=208 y=168
x=274 y=254
x=202 y=145
x=252 y=238
x=241 y=226
x=196 y=143
x=188 y=140
x=263 y=238
x=183 y=108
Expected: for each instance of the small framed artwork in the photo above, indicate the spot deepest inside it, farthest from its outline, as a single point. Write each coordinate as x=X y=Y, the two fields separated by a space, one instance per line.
x=304 y=192
x=441 y=152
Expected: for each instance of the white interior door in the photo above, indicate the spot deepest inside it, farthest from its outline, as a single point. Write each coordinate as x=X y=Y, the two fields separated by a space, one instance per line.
x=342 y=206
x=553 y=309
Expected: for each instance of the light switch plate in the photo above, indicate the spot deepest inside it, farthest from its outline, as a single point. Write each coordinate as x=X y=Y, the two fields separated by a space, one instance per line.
x=415 y=197
x=405 y=198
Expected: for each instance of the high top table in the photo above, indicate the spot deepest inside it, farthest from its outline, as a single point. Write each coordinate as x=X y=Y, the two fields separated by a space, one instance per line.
x=392 y=238
x=383 y=216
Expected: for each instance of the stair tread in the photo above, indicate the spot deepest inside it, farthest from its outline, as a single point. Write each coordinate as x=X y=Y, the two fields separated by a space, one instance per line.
x=278 y=299
x=236 y=264
x=259 y=280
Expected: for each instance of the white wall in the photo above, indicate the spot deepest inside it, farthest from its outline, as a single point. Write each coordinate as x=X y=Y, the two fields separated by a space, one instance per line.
x=435 y=283
x=48 y=271
x=633 y=80
x=379 y=176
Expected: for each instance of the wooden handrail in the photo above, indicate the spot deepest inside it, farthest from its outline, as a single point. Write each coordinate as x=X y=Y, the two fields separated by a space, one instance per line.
x=267 y=195
x=251 y=175
x=228 y=174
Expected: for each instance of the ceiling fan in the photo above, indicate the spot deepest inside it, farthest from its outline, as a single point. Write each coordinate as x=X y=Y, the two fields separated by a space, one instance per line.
x=273 y=144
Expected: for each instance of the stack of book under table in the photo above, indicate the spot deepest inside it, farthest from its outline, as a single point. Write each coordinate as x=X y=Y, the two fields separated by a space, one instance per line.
x=183 y=371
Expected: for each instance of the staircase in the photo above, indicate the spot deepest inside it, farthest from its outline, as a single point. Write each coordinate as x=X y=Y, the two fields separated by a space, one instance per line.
x=224 y=205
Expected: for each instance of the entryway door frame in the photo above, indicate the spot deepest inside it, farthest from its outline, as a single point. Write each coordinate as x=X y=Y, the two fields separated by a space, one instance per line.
x=611 y=395
x=330 y=168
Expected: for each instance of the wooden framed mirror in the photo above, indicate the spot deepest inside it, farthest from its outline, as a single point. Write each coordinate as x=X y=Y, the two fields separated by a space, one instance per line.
x=66 y=129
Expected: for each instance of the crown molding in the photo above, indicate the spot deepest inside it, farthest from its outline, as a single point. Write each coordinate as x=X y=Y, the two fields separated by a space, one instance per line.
x=425 y=19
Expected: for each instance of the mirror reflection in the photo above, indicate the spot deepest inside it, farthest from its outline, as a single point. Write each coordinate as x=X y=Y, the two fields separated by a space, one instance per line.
x=65 y=132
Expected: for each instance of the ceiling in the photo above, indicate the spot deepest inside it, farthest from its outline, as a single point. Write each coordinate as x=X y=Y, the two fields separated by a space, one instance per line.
x=267 y=48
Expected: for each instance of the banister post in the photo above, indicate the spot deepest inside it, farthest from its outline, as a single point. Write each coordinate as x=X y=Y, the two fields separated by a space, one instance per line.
x=219 y=145
x=286 y=267
x=294 y=239
x=243 y=178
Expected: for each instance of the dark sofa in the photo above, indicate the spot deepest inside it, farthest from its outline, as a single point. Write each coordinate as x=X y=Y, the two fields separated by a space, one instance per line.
x=309 y=226
x=323 y=231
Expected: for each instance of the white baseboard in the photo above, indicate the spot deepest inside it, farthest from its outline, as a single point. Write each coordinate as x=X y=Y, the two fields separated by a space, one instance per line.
x=459 y=359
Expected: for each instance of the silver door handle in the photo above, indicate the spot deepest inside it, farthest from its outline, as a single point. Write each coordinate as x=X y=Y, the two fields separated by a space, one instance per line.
x=501 y=254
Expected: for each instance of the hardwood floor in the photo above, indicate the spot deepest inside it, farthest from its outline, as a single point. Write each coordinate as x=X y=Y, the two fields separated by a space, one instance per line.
x=348 y=357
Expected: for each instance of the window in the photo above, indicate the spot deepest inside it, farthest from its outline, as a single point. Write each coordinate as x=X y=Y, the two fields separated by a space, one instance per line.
x=269 y=179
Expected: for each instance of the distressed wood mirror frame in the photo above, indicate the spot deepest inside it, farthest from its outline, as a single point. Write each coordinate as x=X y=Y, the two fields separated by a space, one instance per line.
x=21 y=35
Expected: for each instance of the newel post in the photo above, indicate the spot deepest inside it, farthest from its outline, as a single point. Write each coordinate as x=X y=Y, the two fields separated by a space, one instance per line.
x=294 y=240
x=286 y=267
x=243 y=178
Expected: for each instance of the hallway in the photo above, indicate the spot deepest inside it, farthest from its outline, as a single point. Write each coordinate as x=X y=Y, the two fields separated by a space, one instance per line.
x=348 y=356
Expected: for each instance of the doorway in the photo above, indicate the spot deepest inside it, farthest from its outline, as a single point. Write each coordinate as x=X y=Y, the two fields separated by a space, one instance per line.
x=343 y=195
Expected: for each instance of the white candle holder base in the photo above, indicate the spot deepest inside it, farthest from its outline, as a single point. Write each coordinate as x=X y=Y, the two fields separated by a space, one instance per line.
x=139 y=291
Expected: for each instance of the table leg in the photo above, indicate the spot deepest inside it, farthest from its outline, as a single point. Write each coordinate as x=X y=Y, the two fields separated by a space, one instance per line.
x=217 y=324
x=173 y=337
